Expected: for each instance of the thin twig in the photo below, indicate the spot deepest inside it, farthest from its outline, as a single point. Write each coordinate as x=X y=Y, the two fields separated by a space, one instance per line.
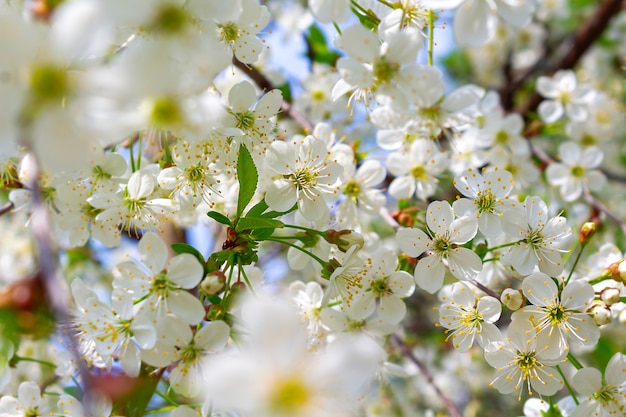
x=53 y=282
x=6 y=208
x=452 y=408
x=266 y=85
x=485 y=289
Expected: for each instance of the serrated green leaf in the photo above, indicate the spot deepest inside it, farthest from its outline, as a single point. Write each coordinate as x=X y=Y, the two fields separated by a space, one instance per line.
x=220 y=218
x=274 y=214
x=222 y=255
x=258 y=209
x=186 y=248
x=261 y=234
x=252 y=223
x=248 y=176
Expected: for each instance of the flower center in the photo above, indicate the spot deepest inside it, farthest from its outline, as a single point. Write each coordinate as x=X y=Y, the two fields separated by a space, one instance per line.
x=384 y=71
x=229 y=32
x=380 y=287
x=486 y=202
x=190 y=353
x=525 y=361
x=195 y=173
x=472 y=318
x=419 y=173
x=165 y=112
x=442 y=247
x=502 y=137
x=578 y=171
x=161 y=285
x=32 y=412
x=318 y=95
x=170 y=19
x=352 y=189
x=534 y=239
x=606 y=395
x=430 y=113
x=556 y=313
x=304 y=178
x=245 y=121
x=49 y=83
x=588 y=140
x=289 y=395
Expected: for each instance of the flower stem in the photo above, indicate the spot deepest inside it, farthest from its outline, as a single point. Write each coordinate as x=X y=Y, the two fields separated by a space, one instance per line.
x=567 y=385
x=505 y=245
x=245 y=277
x=431 y=36
x=322 y=263
x=39 y=361
x=574 y=361
x=166 y=398
x=573 y=268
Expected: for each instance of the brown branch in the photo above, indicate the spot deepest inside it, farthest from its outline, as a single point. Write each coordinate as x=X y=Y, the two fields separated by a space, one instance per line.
x=486 y=290
x=6 y=208
x=54 y=284
x=452 y=408
x=580 y=42
x=265 y=84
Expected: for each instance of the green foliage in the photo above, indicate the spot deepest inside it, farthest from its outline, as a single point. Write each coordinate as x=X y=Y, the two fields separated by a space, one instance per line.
x=220 y=218
x=318 y=50
x=459 y=65
x=251 y=223
x=185 y=248
x=247 y=176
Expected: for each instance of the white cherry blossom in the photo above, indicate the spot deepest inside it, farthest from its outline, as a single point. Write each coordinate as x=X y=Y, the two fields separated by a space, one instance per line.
x=541 y=240
x=487 y=198
x=306 y=177
x=603 y=397
x=561 y=315
x=162 y=284
x=443 y=245
x=565 y=96
x=469 y=318
x=522 y=360
x=578 y=170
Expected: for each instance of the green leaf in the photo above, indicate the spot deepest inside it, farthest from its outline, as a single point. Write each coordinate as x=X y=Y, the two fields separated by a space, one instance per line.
x=185 y=248
x=285 y=88
x=248 y=176
x=274 y=214
x=261 y=234
x=258 y=209
x=214 y=299
x=222 y=255
x=366 y=20
x=252 y=223
x=318 y=50
x=220 y=218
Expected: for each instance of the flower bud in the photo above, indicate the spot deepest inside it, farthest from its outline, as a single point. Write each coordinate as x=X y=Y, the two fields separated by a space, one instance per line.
x=622 y=317
x=622 y=271
x=213 y=283
x=617 y=271
x=601 y=313
x=586 y=231
x=513 y=299
x=610 y=295
x=344 y=239
x=215 y=312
